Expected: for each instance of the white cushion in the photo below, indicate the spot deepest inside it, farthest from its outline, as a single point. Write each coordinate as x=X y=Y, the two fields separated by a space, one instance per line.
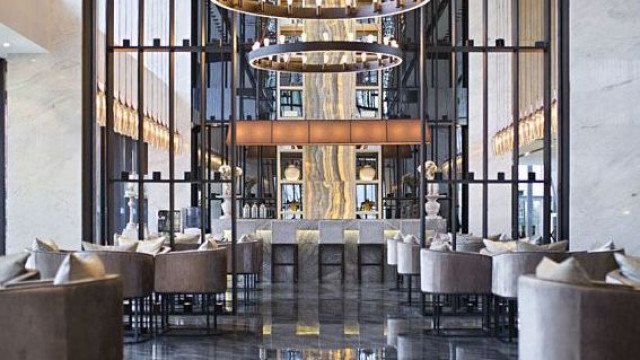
x=247 y=238
x=569 y=271
x=410 y=239
x=208 y=245
x=186 y=238
x=505 y=237
x=441 y=246
x=79 y=267
x=12 y=266
x=608 y=246
x=629 y=266
x=45 y=245
x=149 y=246
x=398 y=236
x=499 y=247
x=132 y=247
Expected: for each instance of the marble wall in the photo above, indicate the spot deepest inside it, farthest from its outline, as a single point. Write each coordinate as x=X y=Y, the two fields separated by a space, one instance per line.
x=329 y=170
x=605 y=88
x=44 y=135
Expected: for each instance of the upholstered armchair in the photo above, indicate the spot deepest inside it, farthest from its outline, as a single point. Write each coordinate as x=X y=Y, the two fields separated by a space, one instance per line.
x=136 y=273
x=408 y=263
x=77 y=320
x=506 y=270
x=454 y=273
x=561 y=321
x=392 y=257
x=198 y=273
x=248 y=260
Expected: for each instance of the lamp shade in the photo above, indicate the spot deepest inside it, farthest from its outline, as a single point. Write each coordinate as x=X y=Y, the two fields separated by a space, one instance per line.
x=367 y=173
x=292 y=173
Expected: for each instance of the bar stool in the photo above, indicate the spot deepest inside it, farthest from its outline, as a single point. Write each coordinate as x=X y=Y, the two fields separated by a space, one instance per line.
x=371 y=237
x=331 y=236
x=408 y=262
x=284 y=239
x=392 y=255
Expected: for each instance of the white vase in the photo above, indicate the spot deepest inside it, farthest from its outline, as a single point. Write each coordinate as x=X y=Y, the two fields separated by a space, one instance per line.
x=226 y=201
x=432 y=207
x=367 y=173
x=292 y=173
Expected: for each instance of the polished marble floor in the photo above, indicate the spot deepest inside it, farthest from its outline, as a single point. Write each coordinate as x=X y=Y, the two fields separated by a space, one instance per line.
x=326 y=321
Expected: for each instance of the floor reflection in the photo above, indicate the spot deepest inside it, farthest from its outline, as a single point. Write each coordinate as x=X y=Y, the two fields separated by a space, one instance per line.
x=327 y=321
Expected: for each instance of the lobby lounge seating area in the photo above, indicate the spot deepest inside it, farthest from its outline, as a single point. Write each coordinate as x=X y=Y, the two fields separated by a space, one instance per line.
x=319 y=180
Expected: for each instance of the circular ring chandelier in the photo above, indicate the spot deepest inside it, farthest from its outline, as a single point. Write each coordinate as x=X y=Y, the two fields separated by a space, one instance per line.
x=352 y=10
x=292 y=57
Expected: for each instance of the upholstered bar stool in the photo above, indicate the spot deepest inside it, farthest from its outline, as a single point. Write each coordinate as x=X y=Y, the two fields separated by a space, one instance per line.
x=330 y=236
x=408 y=263
x=284 y=239
x=371 y=240
x=392 y=256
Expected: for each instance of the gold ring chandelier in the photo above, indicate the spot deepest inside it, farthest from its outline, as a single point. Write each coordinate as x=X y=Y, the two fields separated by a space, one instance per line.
x=353 y=9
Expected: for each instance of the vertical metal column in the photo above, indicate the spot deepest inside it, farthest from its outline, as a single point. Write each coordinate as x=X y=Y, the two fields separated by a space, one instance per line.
x=172 y=119
x=562 y=48
x=3 y=155
x=453 y=139
x=515 y=107
x=109 y=213
x=89 y=84
x=546 y=199
x=485 y=119
x=232 y=153
x=140 y=142
x=204 y=17
x=423 y=130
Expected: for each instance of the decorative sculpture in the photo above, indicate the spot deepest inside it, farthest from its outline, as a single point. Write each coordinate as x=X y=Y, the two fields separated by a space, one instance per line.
x=432 y=207
x=227 y=201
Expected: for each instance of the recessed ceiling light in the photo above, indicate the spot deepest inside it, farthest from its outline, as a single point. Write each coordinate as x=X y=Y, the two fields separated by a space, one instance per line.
x=6 y=44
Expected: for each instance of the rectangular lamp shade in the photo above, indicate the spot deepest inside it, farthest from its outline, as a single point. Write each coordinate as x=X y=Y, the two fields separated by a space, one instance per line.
x=328 y=132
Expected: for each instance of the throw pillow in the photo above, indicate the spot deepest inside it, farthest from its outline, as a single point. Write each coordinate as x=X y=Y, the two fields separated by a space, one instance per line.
x=208 y=245
x=569 y=271
x=247 y=238
x=505 y=237
x=441 y=246
x=12 y=266
x=410 y=239
x=499 y=247
x=398 y=236
x=495 y=237
x=87 y=246
x=45 y=245
x=608 y=246
x=79 y=267
x=629 y=266
x=186 y=238
x=558 y=246
x=150 y=246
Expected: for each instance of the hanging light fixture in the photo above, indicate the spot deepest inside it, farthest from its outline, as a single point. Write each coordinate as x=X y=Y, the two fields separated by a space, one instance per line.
x=351 y=10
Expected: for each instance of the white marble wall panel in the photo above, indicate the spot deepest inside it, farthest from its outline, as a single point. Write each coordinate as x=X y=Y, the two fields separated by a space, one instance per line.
x=330 y=232
x=605 y=128
x=371 y=232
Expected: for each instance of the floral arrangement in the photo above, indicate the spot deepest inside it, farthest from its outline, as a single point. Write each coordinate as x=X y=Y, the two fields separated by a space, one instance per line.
x=225 y=172
x=430 y=169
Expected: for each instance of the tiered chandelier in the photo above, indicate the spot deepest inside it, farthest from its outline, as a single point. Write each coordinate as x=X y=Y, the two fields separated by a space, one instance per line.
x=531 y=125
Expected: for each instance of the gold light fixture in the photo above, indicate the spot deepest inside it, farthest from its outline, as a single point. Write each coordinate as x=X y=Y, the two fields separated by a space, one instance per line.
x=531 y=127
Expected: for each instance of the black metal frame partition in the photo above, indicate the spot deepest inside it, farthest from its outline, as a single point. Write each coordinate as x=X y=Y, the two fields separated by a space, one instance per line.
x=3 y=170
x=200 y=49
x=464 y=46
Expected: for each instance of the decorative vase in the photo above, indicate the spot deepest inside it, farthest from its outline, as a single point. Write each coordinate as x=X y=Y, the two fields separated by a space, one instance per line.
x=292 y=173
x=367 y=173
x=226 y=201
x=432 y=207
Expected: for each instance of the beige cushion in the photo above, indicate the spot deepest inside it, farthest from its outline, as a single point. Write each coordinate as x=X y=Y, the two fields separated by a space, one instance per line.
x=494 y=237
x=569 y=271
x=558 y=246
x=499 y=247
x=440 y=246
x=629 y=266
x=208 y=245
x=79 y=267
x=398 y=236
x=150 y=246
x=45 y=245
x=186 y=238
x=87 y=246
x=247 y=238
x=12 y=266
x=410 y=239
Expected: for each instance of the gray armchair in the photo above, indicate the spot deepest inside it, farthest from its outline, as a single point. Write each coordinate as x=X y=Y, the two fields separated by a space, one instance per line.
x=47 y=263
x=507 y=268
x=561 y=321
x=454 y=273
x=78 y=320
x=199 y=273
